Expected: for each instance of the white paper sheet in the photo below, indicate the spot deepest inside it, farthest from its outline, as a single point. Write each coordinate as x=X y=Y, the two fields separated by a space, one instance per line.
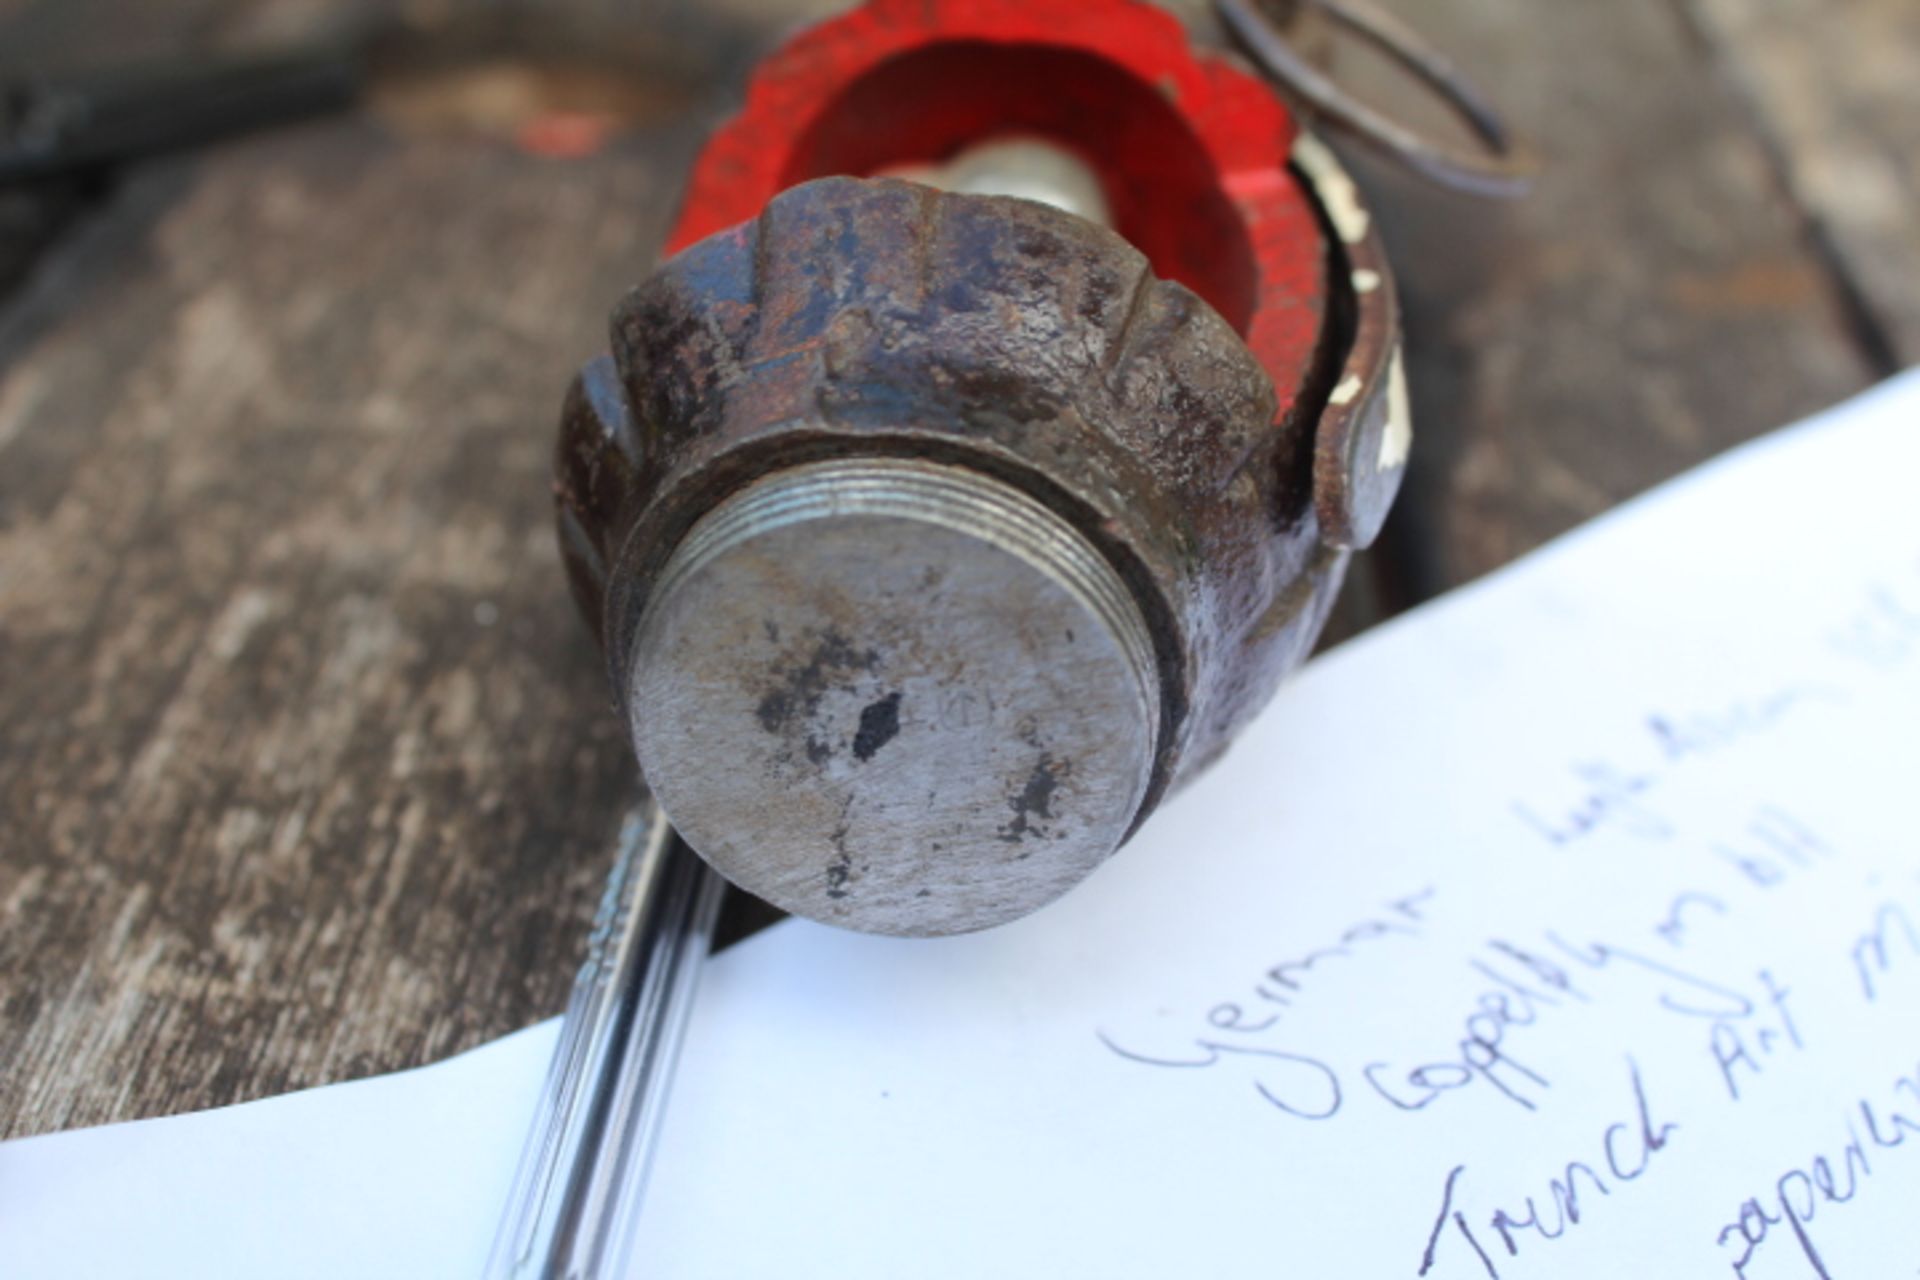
x=1569 y=927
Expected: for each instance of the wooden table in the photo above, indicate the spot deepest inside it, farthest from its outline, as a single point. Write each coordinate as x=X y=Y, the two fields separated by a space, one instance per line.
x=307 y=770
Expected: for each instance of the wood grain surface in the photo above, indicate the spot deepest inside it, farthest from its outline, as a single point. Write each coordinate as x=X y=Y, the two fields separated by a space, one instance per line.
x=1654 y=301
x=306 y=767
x=1833 y=90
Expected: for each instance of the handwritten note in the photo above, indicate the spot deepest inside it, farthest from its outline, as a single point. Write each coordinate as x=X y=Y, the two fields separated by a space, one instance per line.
x=1567 y=928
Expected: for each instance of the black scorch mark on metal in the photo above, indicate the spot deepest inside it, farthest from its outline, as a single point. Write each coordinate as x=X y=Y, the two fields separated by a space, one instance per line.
x=1034 y=801
x=879 y=725
x=840 y=870
x=799 y=691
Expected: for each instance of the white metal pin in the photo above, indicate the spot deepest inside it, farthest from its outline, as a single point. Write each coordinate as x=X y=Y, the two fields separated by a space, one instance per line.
x=577 y=1192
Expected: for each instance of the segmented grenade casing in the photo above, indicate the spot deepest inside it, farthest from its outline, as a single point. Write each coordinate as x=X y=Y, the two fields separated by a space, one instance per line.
x=933 y=538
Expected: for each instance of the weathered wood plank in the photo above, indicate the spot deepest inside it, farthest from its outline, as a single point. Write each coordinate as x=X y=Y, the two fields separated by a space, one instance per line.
x=1835 y=90
x=305 y=759
x=1651 y=304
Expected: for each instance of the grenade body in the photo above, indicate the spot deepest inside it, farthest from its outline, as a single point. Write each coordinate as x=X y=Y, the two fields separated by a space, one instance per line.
x=933 y=538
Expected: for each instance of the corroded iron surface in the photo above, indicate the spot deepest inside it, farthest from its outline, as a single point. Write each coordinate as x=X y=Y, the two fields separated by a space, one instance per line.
x=879 y=319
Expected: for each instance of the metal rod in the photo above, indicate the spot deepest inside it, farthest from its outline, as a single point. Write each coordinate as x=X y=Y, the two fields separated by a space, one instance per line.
x=576 y=1194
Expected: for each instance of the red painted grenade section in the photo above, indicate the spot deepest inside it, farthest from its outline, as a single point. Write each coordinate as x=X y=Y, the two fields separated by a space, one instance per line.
x=1192 y=151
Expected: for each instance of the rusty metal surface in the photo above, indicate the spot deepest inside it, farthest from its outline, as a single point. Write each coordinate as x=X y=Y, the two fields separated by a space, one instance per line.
x=1366 y=430
x=882 y=319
